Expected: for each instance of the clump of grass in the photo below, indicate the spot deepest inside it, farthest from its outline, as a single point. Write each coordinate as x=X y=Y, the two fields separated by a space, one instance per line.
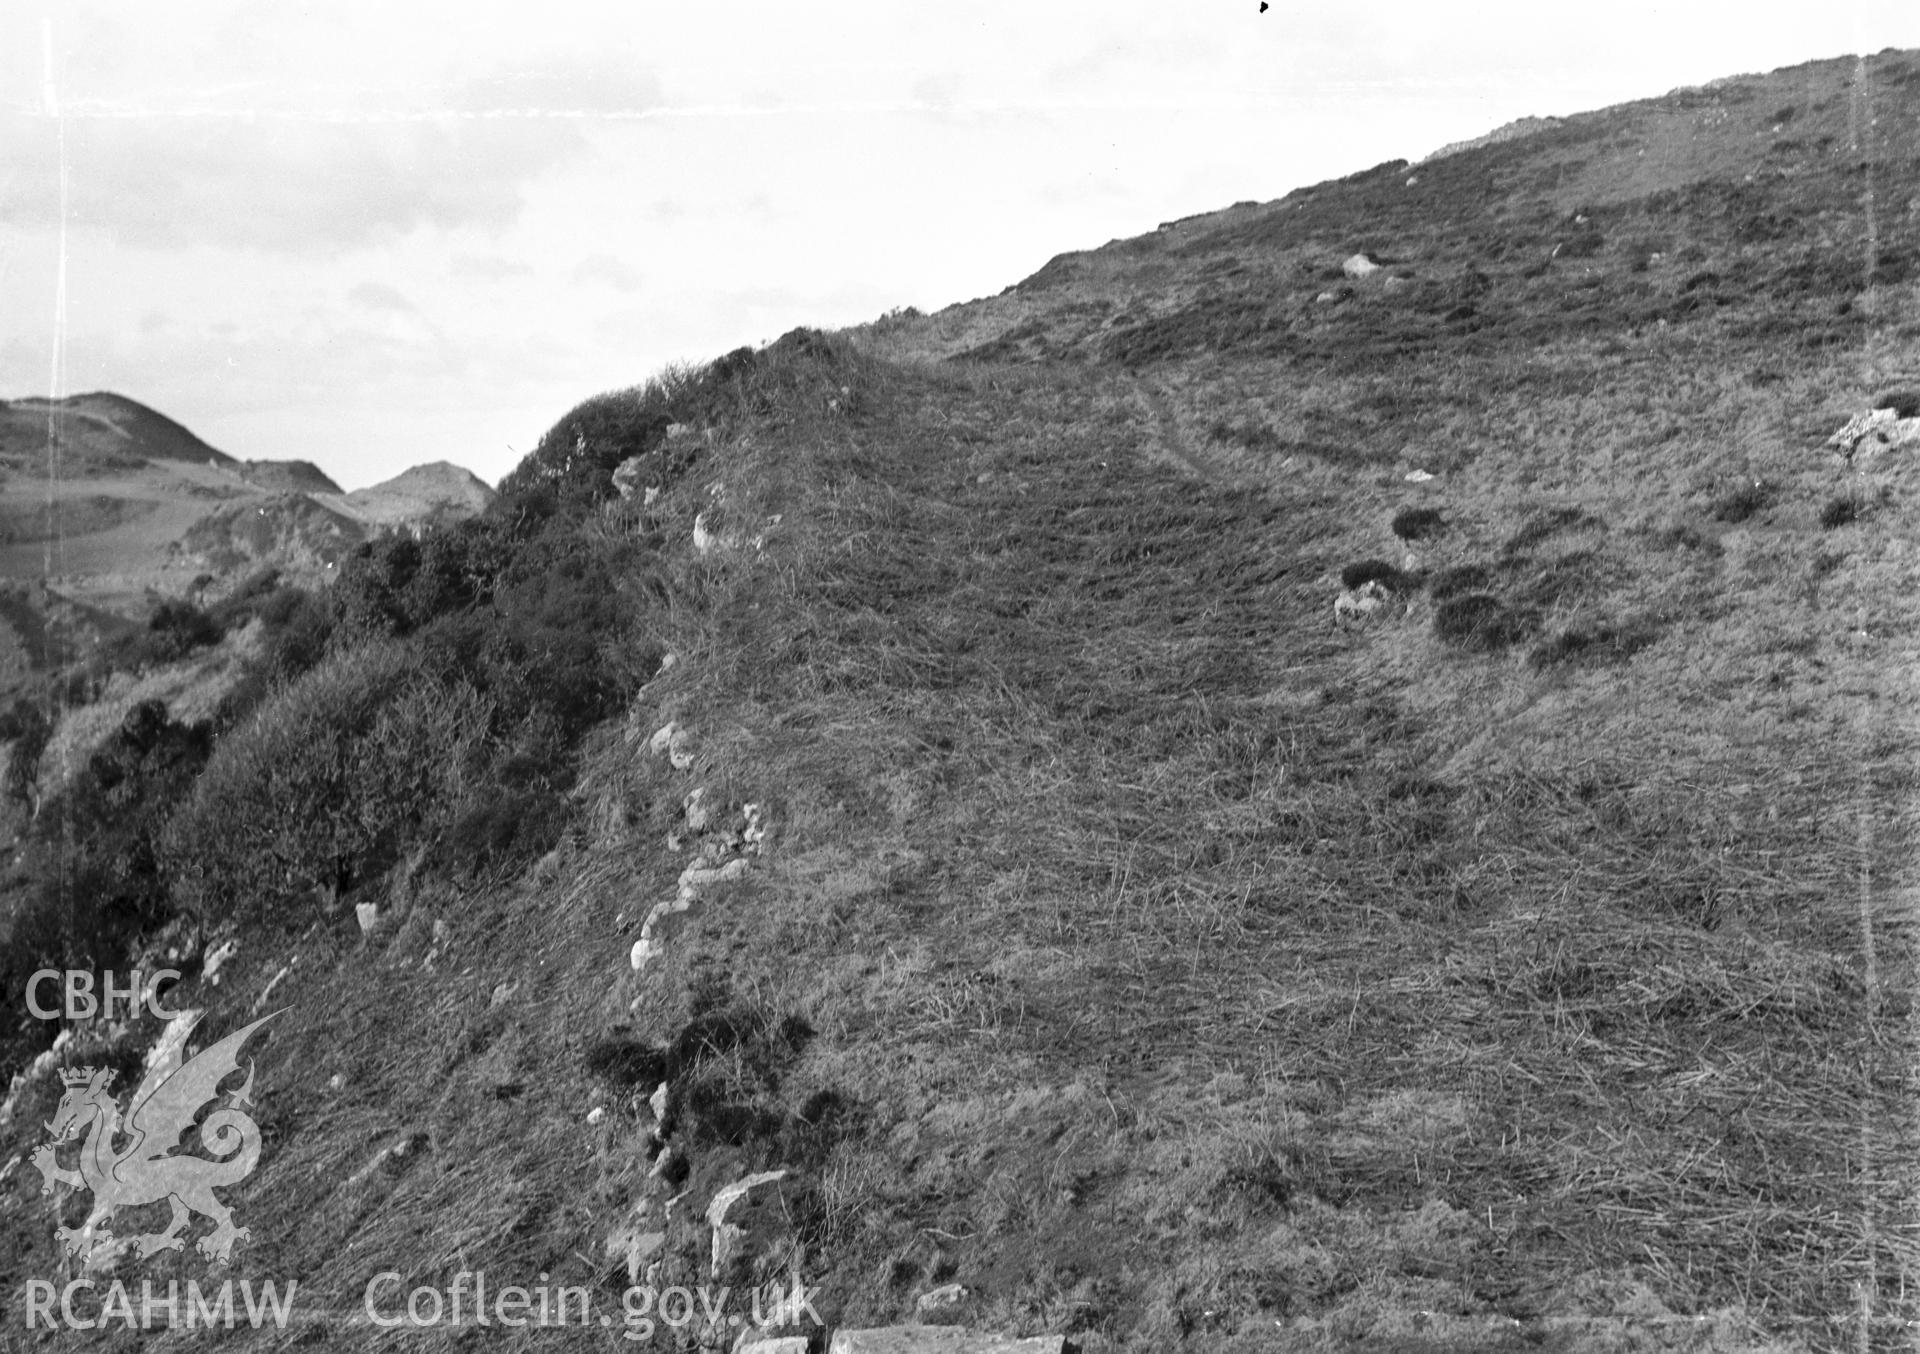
x=1365 y=571
x=1415 y=524
x=1593 y=645
x=1479 y=622
x=1737 y=505
x=1547 y=522
x=1460 y=579
x=1838 y=512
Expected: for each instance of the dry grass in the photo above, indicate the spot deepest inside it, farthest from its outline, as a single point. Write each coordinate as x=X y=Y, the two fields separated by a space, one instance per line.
x=1147 y=955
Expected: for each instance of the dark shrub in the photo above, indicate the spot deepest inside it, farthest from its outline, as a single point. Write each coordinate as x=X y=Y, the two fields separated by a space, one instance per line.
x=1839 y=512
x=1414 y=524
x=509 y=826
x=176 y=629
x=1478 y=622
x=325 y=783
x=1741 y=503
x=299 y=625
x=1602 y=644
x=1904 y=403
x=1462 y=578
x=1365 y=571
x=626 y=1063
x=30 y=729
x=117 y=807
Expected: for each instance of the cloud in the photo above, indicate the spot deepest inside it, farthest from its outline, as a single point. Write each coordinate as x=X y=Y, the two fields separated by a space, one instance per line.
x=294 y=185
x=171 y=172
x=379 y=296
x=607 y=270
x=488 y=267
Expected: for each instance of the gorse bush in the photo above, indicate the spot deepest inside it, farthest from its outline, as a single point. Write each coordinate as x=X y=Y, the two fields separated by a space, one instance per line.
x=1365 y=571
x=177 y=628
x=27 y=725
x=100 y=884
x=326 y=783
x=1414 y=524
x=1838 y=512
x=1739 y=504
x=572 y=466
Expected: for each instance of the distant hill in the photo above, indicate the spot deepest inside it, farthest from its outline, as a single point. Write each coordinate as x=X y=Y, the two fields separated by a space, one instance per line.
x=427 y=493
x=95 y=431
x=143 y=507
x=287 y=477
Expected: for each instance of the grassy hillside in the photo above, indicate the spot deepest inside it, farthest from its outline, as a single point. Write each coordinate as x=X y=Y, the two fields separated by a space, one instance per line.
x=1089 y=919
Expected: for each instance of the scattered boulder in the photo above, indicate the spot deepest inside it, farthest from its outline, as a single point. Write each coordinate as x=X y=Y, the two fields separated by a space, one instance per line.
x=629 y=477
x=1360 y=606
x=937 y=1300
x=752 y=1341
x=1359 y=266
x=695 y=877
x=1882 y=429
x=727 y=1236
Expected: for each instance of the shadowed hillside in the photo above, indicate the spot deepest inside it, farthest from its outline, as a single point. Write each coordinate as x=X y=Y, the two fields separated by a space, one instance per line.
x=1335 y=777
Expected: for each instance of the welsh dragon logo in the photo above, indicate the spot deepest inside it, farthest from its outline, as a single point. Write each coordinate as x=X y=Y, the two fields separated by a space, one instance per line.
x=145 y=1169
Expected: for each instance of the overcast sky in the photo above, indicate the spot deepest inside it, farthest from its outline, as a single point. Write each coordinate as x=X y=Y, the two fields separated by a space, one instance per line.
x=371 y=234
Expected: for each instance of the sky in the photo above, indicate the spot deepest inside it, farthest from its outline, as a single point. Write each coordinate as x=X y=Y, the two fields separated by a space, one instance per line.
x=372 y=233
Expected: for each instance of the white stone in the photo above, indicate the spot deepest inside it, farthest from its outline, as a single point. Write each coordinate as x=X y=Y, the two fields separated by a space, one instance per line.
x=626 y=476
x=597 y=1114
x=725 y=1235
x=1417 y=477
x=1874 y=432
x=662 y=739
x=1360 y=605
x=221 y=953
x=368 y=914
x=752 y=1341
x=1359 y=266
x=939 y=1299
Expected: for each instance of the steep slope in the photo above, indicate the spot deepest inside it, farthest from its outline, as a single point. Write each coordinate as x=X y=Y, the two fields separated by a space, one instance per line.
x=1018 y=855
